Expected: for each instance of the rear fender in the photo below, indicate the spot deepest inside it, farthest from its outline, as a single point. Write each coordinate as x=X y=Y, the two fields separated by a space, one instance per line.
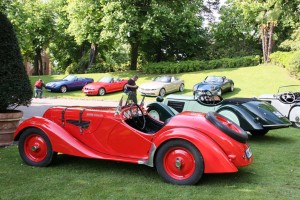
x=60 y=139
x=294 y=115
x=215 y=160
x=246 y=120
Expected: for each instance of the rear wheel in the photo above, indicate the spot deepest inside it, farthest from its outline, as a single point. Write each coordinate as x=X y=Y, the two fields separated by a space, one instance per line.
x=35 y=148
x=162 y=92
x=179 y=162
x=101 y=92
x=63 y=89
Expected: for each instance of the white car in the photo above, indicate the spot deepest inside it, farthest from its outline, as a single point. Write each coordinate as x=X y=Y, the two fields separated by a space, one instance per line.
x=286 y=101
x=162 y=85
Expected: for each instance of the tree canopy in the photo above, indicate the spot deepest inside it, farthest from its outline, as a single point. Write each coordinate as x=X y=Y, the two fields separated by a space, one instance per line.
x=102 y=35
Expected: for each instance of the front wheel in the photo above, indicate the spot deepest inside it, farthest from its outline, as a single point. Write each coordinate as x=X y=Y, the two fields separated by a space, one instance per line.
x=63 y=89
x=162 y=92
x=101 y=92
x=35 y=148
x=179 y=162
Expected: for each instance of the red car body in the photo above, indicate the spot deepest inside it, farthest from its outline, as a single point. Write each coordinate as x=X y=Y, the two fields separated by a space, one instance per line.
x=104 y=85
x=181 y=149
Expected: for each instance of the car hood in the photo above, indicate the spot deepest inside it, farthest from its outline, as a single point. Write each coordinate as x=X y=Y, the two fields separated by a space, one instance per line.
x=56 y=81
x=152 y=85
x=205 y=86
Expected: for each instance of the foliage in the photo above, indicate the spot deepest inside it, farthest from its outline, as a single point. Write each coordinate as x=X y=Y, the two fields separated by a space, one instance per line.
x=232 y=37
x=14 y=83
x=288 y=60
x=198 y=65
x=295 y=63
x=293 y=43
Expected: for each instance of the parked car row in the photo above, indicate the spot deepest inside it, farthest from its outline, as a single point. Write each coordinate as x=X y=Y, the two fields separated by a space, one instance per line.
x=158 y=86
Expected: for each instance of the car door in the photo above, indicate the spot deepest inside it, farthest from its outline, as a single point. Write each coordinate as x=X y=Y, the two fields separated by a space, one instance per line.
x=175 y=82
x=225 y=84
x=116 y=85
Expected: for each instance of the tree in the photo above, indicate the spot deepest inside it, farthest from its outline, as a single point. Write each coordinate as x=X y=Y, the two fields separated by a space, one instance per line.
x=15 y=86
x=34 y=22
x=85 y=24
x=274 y=18
x=232 y=36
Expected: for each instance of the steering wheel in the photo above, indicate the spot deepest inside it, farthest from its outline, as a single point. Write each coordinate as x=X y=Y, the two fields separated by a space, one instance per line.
x=288 y=97
x=136 y=114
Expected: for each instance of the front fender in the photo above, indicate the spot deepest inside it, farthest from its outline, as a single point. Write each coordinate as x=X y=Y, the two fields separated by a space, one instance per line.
x=246 y=120
x=215 y=160
x=60 y=139
x=294 y=114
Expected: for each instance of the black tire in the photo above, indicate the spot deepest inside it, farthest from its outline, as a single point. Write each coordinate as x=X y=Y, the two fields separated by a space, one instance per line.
x=179 y=162
x=239 y=134
x=162 y=92
x=259 y=132
x=63 y=89
x=101 y=92
x=39 y=155
x=181 y=87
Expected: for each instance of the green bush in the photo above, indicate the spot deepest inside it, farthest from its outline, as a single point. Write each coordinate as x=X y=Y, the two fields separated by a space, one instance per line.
x=198 y=65
x=295 y=63
x=15 y=86
x=289 y=60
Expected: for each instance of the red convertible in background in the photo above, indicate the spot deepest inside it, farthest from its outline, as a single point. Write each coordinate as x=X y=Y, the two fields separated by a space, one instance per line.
x=104 y=85
x=182 y=148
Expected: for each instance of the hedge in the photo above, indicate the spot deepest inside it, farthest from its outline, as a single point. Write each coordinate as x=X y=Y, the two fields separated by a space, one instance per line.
x=288 y=60
x=198 y=65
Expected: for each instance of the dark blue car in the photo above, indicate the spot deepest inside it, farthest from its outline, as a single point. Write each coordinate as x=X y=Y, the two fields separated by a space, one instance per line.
x=217 y=85
x=70 y=82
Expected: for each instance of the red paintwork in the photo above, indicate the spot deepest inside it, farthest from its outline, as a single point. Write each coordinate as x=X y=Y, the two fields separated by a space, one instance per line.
x=109 y=137
x=93 y=88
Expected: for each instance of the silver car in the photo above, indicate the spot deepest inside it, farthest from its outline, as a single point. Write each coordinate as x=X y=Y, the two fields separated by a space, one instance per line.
x=162 y=85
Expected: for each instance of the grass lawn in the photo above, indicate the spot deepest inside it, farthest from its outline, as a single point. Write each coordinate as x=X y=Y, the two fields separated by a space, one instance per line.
x=275 y=173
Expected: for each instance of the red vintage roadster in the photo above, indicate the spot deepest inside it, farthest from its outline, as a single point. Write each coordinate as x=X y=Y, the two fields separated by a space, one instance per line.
x=182 y=148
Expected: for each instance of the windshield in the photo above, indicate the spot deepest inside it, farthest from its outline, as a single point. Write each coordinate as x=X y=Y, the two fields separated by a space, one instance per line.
x=288 y=88
x=164 y=79
x=70 y=78
x=105 y=79
x=218 y=79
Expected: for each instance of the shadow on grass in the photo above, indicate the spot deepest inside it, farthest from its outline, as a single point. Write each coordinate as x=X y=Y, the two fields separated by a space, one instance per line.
x=106 y=168
x=270 y=139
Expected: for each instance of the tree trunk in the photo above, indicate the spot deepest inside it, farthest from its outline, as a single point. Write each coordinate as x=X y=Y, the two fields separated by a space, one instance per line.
x=93 y=53
x=270 y=42
x=38 y=64
x=134 y=55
